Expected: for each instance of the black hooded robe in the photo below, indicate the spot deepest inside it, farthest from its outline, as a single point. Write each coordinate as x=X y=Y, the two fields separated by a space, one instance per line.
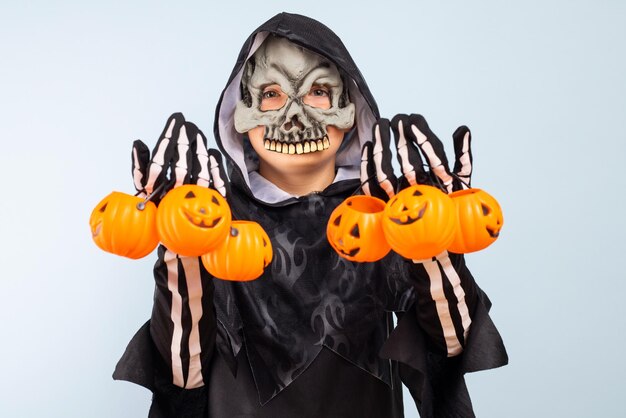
x=313 y=336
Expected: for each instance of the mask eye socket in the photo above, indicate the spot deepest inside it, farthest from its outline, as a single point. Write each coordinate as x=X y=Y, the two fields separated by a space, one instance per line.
x=319 y=91
x=271 y=94
x=318 y=96
x=272 y=98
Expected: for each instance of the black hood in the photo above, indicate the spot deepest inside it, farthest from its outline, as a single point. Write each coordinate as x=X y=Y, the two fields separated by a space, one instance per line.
x=315 y=37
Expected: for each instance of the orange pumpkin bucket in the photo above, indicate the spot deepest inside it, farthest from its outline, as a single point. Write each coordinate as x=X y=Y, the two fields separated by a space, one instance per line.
x=419 y=222
x=243 y=255
x=355 y=229
x=192 y=220
x=124 y=225
x=480 y=220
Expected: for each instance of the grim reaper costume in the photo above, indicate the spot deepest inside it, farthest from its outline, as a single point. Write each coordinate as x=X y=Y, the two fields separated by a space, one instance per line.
x=313 y=336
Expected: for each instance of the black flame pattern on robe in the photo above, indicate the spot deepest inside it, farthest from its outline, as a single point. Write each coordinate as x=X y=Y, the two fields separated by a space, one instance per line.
x=308 y=298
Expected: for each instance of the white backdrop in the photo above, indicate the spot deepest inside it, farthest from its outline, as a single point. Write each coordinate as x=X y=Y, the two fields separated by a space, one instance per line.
x=541 y=84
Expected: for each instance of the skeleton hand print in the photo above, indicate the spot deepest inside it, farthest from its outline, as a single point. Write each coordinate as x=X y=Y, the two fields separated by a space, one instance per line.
x=377 y=176
x=413 y=137
x=412 y=132
x=295 y=94
x=180 y=156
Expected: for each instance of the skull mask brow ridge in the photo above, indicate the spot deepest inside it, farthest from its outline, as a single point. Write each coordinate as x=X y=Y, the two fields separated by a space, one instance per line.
x=295 y=70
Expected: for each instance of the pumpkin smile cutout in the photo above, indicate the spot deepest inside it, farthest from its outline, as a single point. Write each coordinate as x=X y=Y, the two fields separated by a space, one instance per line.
x=419 y=222
x=355 y=231
x=200 y=219
x=415 y=214
x=480 y=220
x=118 y=225
x=192 y=220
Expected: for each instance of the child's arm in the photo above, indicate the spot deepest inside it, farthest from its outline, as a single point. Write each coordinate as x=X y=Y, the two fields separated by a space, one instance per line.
x=181 y=336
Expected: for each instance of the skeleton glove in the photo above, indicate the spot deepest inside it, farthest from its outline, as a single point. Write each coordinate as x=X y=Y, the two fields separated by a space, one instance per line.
x=179 y=157
x=413 y=137
x=183 y=287
x=377 y=176
x=446 y=291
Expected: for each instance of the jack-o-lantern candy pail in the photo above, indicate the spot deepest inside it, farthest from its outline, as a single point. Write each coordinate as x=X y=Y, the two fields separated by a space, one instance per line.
x=419 y=222
x=124 y=225
x=192 y=220
x=355 y=229
x=243 y=255
x=480 y=220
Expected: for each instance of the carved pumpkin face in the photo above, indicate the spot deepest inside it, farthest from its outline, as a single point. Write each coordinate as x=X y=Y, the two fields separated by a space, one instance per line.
x=419 y=222
x=243 y=255
x=119 y=227
x=192 y=220
x=480 y=220
x=355 y=230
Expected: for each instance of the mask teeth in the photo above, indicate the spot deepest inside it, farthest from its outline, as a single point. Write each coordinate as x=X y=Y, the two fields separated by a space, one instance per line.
x=296 y=143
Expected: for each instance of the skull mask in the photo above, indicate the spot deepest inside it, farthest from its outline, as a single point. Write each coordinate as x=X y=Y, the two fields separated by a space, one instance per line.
x=294 y=128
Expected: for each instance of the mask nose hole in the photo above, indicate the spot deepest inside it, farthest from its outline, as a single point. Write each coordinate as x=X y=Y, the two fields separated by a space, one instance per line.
x=293 y=122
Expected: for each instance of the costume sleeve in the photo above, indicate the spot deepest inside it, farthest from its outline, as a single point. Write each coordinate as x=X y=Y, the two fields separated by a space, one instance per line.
x=446 y=298
x=446 y=333
x=171 y=353
x=183 y=323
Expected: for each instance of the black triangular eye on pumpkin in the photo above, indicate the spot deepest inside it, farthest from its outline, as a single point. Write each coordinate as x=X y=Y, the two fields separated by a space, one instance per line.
x=214 y=200
x=264 y=242
x=190 y=195
x=337 y=220
x=485 y=208
x=355 y=231
x=417 y=193
x=103 y=208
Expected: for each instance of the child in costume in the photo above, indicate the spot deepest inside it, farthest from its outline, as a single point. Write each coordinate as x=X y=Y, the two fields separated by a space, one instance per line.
x=313 y=336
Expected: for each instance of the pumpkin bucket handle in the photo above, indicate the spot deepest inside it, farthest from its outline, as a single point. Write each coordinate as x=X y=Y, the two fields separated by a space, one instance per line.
x=142 y=205
x=456 y=176
x=360 y=188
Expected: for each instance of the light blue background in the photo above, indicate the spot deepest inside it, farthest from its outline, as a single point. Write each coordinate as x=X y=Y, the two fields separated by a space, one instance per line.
x=542 y=85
